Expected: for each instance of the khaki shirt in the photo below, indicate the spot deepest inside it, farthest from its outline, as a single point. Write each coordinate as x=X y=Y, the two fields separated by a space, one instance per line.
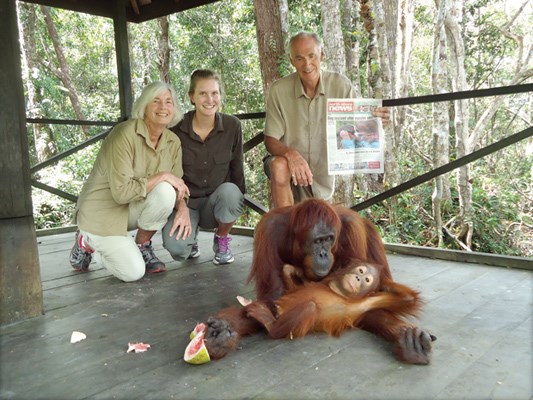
x=300 y=122
x=120 y=173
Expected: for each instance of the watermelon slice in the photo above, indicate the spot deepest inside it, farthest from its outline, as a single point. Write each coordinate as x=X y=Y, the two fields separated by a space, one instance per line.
x=196 y=352
x=243 y=301
x=200 y=327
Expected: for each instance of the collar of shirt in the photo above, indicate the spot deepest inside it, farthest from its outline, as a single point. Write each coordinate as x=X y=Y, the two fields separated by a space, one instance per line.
x=142 y=130
x=299 y=88
x=186 y=126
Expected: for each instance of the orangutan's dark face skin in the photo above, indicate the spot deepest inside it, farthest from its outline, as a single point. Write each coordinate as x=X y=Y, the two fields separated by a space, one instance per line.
x=319 y=258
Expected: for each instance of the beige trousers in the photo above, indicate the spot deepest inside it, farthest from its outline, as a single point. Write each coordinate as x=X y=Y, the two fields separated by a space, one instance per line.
x=120 y=254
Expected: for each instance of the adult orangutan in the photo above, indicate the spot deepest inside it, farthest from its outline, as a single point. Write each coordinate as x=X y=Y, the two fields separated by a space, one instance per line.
x=318 y=239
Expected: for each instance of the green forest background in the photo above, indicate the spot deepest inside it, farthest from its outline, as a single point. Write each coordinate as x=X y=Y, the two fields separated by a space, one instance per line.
x=222 y=36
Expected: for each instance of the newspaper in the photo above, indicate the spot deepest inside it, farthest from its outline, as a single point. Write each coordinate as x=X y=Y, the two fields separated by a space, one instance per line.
x=355 y=138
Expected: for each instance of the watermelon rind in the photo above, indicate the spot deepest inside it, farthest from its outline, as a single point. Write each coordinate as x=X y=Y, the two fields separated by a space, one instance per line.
x=200 y=327
x=196 y=351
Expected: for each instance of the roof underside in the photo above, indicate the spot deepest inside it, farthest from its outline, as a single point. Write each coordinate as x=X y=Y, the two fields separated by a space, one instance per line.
x=136 y=10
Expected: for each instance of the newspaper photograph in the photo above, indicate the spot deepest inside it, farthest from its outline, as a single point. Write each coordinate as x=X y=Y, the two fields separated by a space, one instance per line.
x=355 y=138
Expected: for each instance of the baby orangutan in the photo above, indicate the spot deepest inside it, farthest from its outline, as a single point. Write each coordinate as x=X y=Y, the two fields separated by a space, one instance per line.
x=334 y=304
x=355 y=281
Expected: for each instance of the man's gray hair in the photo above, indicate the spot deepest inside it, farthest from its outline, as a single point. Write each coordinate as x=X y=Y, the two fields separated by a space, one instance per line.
x=305 y=35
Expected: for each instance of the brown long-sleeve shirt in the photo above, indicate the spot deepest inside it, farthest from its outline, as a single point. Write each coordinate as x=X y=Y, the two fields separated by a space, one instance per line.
x=207 y=164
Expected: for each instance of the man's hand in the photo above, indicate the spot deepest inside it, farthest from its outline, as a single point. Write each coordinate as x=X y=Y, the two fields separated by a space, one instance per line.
x=299 y=168
x=384 y=114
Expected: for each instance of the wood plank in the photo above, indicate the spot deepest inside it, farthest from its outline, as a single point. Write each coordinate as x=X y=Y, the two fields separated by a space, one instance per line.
x=481 y=316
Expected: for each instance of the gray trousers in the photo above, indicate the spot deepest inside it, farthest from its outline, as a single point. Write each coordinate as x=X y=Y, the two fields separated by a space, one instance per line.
x=224 y=205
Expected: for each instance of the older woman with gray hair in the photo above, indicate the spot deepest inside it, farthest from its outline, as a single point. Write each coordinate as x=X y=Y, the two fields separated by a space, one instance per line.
x=135 y=184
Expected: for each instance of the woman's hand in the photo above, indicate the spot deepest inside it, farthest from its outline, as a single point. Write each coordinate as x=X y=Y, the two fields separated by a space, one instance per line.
x=181 y=225
x=182 y=191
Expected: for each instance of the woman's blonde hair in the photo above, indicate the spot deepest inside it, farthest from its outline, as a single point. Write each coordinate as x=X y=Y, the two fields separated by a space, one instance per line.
x=148 y=94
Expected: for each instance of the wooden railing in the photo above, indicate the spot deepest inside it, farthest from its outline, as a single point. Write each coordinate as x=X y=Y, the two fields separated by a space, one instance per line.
x=507 y=261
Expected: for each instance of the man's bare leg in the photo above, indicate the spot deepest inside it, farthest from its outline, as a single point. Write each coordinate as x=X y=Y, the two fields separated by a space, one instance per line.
x=280 y=183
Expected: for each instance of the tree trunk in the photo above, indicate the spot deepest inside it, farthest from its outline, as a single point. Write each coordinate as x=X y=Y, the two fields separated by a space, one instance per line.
x=391 y=177
x=441 y=120
x=453 y=20
x=269 y=40
x=365 y=11
x=523 y=71
x=370 y=183
x=333 y=39
x=163 y=63
x=63 y=72
x=284 y=19
x=44 y=147
x=345 y=185
x=350 y=8
x=391 y=32
x=336 y=61
x=404 y=45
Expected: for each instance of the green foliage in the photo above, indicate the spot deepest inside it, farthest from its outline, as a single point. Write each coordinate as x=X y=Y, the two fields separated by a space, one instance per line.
x=485 y=46
x=284 y=66
x=411 y=223
x=228 y=44
x=492 y=216
x=304 y=15
x=51 y=211
x=219 y=46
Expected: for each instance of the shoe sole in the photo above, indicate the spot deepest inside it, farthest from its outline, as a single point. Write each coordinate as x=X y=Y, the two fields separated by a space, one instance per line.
x=216 y=262
x=156 y=270
x=80 y=269
x=192 y=257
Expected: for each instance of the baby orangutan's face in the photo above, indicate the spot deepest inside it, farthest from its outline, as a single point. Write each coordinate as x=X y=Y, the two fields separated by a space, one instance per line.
x=356 y=282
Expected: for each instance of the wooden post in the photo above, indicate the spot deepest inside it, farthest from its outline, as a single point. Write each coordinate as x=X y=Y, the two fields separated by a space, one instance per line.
x=123 y=59
x=20 y=278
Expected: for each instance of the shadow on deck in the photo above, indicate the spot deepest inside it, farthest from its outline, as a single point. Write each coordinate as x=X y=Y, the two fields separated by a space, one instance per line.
x=480 y=314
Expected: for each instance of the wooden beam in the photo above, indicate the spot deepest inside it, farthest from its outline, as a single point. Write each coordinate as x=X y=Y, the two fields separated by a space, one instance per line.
x=135 y=11
x=101 y=8
x=123 y=59
x=135 y=6
x=160 y=8
x=255 y=205
x=20 y=278
x=462 y=256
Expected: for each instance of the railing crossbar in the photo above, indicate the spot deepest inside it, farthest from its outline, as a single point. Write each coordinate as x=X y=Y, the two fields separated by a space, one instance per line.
x=528 y=132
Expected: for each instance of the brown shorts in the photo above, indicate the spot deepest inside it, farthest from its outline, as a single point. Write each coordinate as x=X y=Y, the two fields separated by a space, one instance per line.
x=298 y=192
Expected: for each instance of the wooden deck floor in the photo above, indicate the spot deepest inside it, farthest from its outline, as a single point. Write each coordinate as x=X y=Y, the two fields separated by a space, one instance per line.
x=480 y=314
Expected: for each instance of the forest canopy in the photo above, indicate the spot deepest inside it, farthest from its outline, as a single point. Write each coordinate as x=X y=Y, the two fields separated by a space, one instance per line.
x=389 y=49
